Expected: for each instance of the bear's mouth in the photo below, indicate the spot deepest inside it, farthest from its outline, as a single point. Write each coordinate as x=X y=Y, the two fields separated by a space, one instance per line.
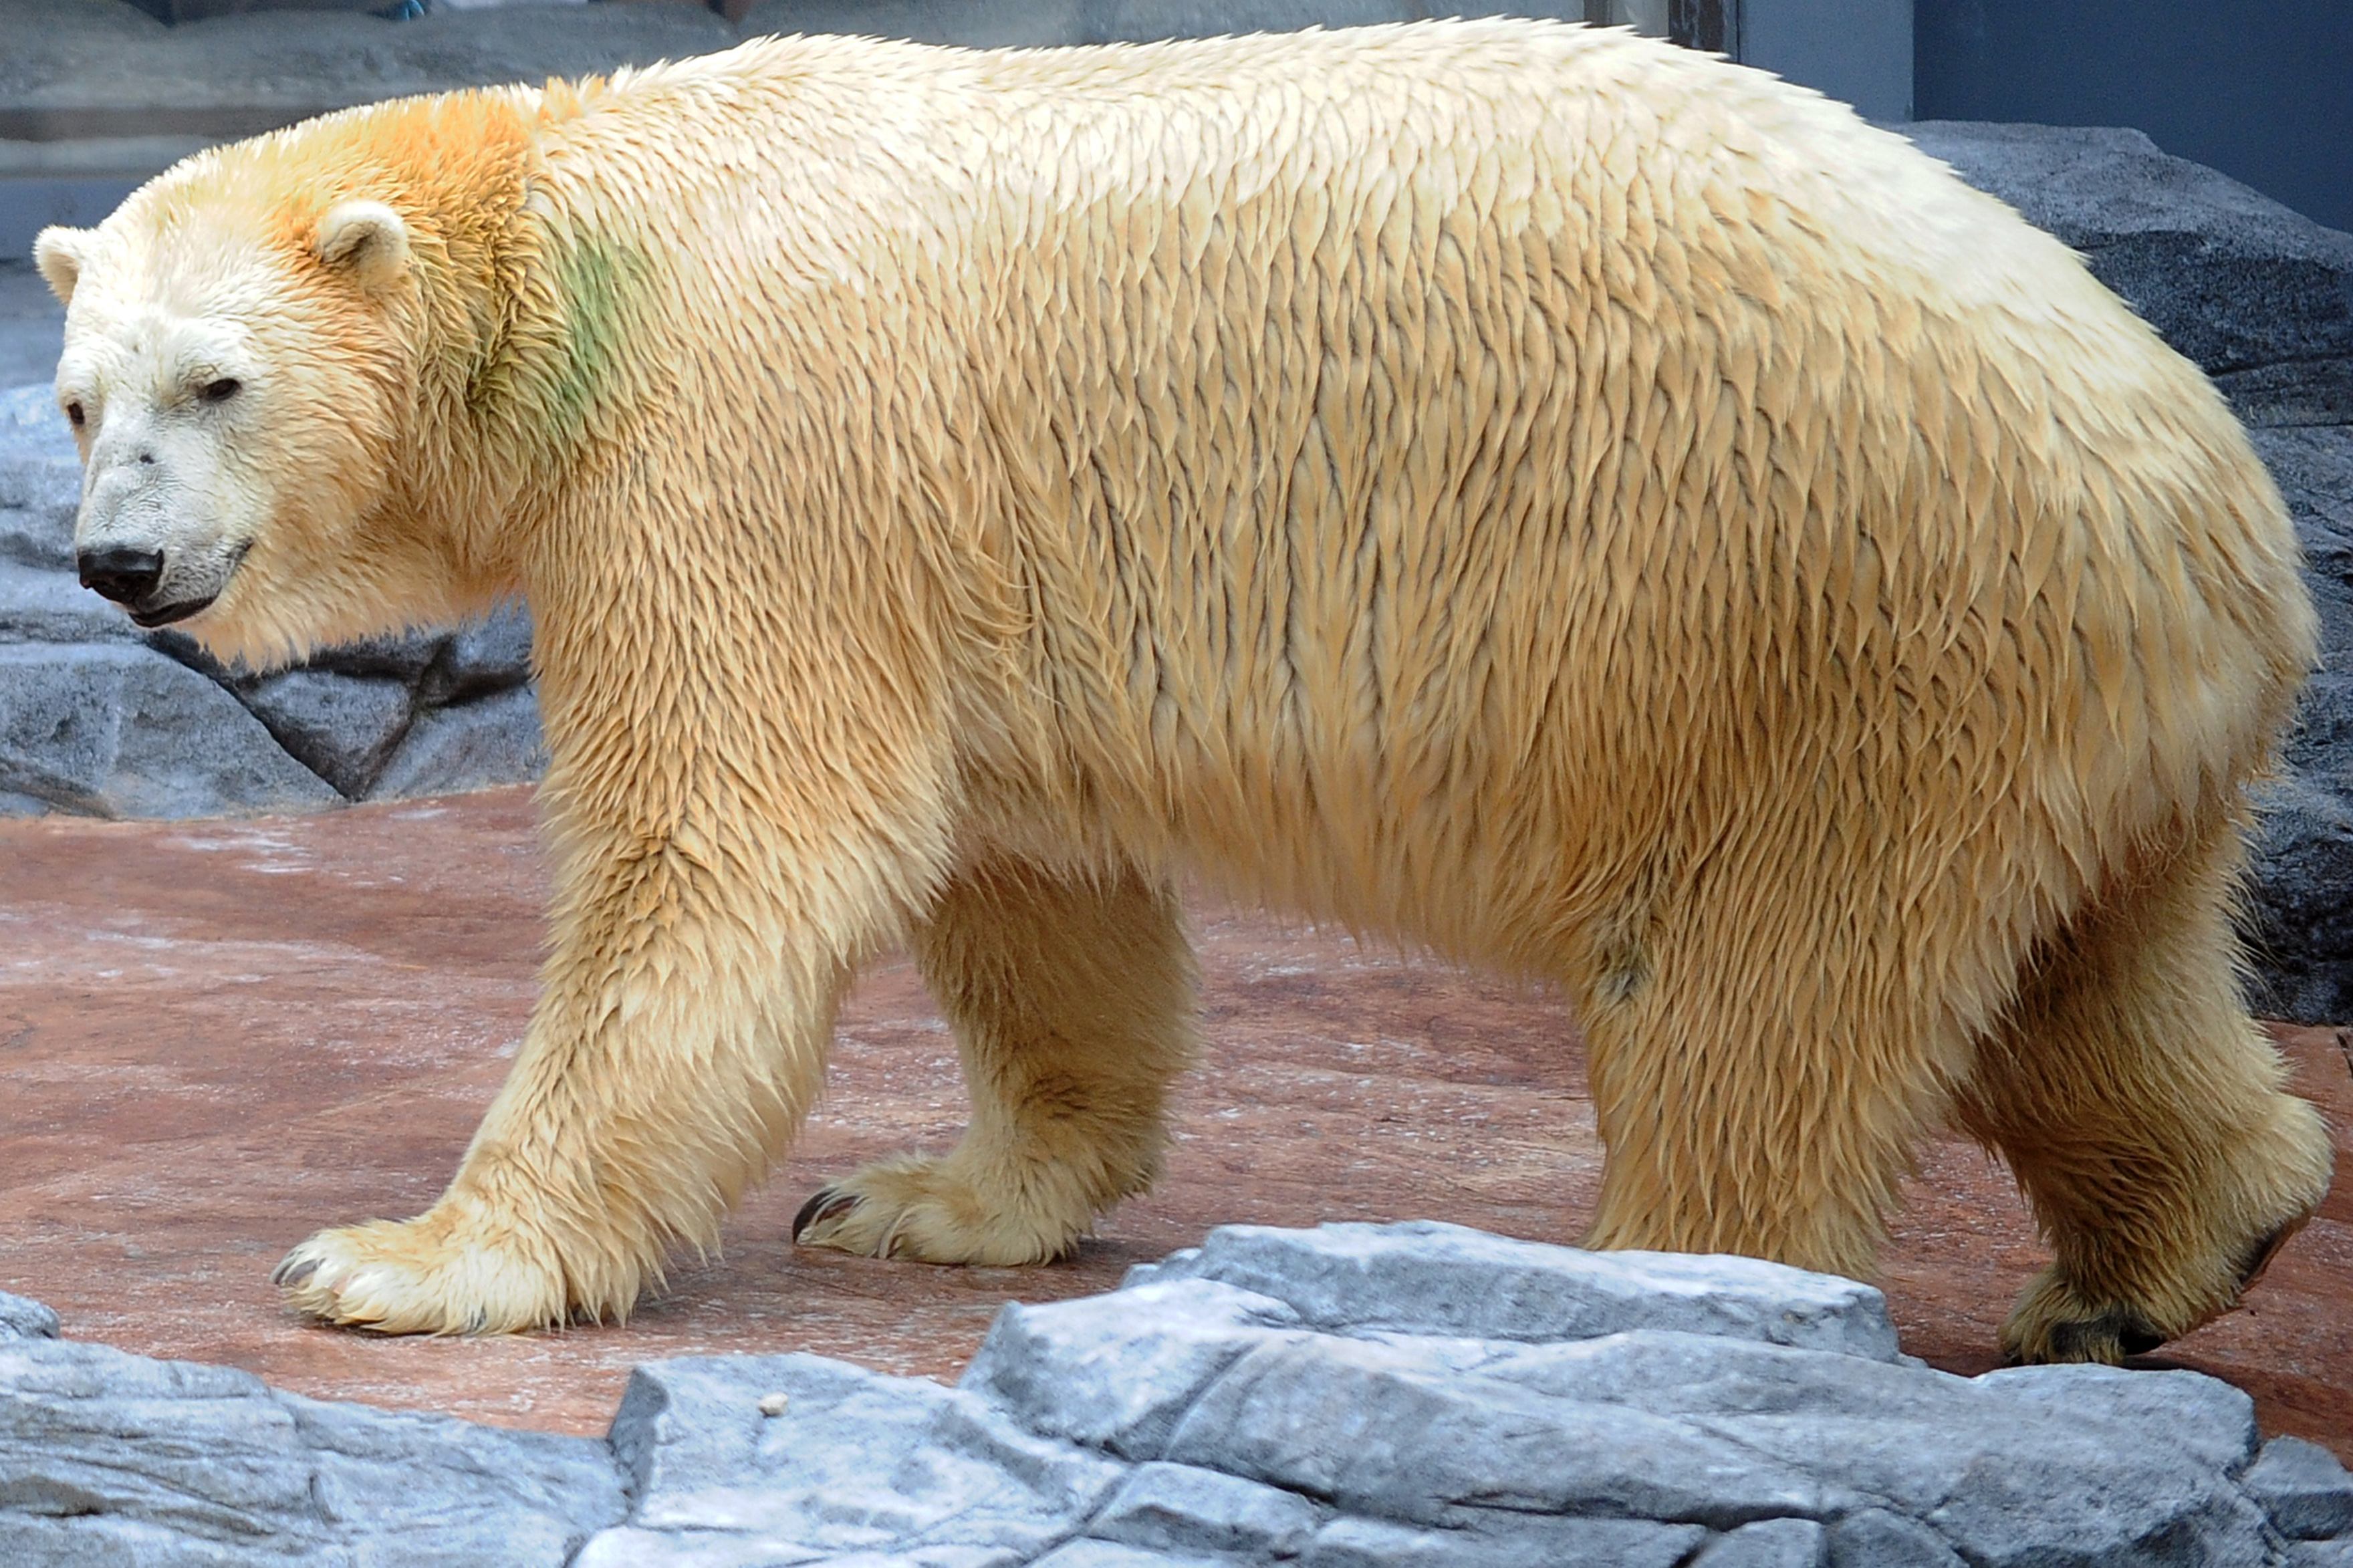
x=164 y=614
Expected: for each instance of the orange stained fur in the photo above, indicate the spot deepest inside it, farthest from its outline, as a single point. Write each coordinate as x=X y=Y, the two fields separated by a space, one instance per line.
x=1568 y=502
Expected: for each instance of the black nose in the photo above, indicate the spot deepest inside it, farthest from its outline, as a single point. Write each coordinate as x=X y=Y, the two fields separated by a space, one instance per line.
x=124 y=576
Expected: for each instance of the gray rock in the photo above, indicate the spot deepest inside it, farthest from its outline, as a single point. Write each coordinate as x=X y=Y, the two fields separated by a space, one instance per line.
x=1093 y=1553
x=1367 y=1427
x=1101 y=1372
x=2260 y=296
x=2299 y=916
x=2319 y=1554
x=109 y=731
x=475 y=745
x=1768 y=1543
x=1181 y=1509
x=40 y=605
x=2306 y=1491
x=111 y=1458
x=855 y=1463
x=2211 y=1420
x=1446 y=1280
x=1184 y=1420
x=404 y=658
x=21 y=1319
x=1503 y=1542
x=489 y=656
x=342 y=728
x=1875 y=1538
x=40 y=480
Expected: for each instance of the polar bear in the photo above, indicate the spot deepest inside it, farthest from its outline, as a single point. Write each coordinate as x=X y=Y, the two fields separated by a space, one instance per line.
x=1577 y=506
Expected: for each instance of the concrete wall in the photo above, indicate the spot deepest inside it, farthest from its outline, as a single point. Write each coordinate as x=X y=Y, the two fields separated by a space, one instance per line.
x=1858 y=50
x=2262 y=90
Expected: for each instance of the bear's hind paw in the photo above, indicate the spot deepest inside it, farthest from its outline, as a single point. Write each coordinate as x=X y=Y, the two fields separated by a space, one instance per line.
x=916 y=1209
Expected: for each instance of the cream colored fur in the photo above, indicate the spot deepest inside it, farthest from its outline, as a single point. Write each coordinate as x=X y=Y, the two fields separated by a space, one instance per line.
x=1566 y=502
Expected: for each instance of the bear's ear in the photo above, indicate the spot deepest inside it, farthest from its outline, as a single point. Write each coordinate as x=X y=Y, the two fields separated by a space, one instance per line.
x=365 y=240
x=57 y=252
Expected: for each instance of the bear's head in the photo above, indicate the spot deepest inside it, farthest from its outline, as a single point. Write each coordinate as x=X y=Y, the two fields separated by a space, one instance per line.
x=247 y=366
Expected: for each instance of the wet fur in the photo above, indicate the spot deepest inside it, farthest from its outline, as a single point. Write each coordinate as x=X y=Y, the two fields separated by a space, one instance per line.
x=1574 y=505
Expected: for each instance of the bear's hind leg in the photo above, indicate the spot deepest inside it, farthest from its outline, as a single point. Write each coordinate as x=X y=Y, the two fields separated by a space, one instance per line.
x=1757 y=1093
x=1072 y=1000
x=2141 y=1112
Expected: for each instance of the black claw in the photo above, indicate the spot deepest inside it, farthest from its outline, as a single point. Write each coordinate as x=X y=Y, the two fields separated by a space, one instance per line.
x=823 y=1204
x=2089 y=1339
x=292 y=1274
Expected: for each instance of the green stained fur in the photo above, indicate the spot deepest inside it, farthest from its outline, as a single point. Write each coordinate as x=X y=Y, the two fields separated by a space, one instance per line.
x=597 y=282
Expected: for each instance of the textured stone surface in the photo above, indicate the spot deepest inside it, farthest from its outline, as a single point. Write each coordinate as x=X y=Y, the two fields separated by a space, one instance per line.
x=109 y=730
x=475 y=745
x=111 y=1459
x=2302 y=916
x=21 y=1319
x=1184 y=1421
x=2307 y=1494
x=343 y=728
x=1429 y=1274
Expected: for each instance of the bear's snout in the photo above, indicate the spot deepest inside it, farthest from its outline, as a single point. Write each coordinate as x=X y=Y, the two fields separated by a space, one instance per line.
x=135 y=579
x=123 y=574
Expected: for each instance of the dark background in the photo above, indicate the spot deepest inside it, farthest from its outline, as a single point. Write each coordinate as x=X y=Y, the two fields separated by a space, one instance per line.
x=2262 y=92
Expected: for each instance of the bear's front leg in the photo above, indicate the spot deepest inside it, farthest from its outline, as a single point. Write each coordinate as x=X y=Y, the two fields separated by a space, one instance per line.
x=678 y=1038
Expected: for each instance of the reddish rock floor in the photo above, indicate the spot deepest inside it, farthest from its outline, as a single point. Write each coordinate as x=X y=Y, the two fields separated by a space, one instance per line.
x=216 y=1037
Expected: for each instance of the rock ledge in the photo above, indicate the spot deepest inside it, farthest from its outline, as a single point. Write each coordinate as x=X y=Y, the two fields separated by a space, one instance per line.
x=1413 y=1396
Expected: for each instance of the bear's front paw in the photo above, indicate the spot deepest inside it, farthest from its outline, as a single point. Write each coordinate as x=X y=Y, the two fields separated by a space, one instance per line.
x=425 y=1276
x=920 y=1209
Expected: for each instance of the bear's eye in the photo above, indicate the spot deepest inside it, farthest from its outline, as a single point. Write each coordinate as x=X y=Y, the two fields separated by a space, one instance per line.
x=224 y=389
x=74 y=412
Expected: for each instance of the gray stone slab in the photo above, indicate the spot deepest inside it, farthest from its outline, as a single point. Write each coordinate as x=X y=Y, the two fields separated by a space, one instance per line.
x=108 y=1457
x=852 y=1462
x=1184 y=1508
x=2319 y=1554
x=2299 y=915
x=1503 y=1542
x=1875 y=1538
x=1440 y=1278
x=476 y=661
x=32 y=322
x=2202 y=1415
x=1368 y=1428
x=1119 y=1372
x=1284 y=1443
x=405 y=657
x=109 y=731
x=2307 y=1494
x=342 y=728
x=475 y=745
x=24 y=1319
x=40 y=480
x=1768 y=1543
